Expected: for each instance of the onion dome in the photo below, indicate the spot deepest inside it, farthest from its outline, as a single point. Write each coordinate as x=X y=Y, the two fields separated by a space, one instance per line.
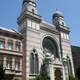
x=33 y=1
x=58 y=14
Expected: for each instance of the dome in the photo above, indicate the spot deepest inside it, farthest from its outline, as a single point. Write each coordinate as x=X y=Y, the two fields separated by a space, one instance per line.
x=58 y=14
x=29 y=0
x=33 y=1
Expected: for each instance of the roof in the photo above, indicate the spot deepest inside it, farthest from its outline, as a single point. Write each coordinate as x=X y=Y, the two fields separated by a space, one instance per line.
x=6 y=29
x=47 y=23
x=58 y=14
x=10 y=31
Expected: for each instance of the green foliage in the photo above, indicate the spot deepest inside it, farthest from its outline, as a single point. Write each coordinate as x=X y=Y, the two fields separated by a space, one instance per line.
x=41 y=77
x=43 y=70
x=2 y=73
x=31 y=79
x=9 y=76
x=4 y=76
x=43 y=74
x=71 y=77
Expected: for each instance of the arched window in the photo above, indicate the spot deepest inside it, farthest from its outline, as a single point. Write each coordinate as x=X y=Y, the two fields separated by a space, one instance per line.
x=50 y=46
x=34 y=62
x=69 y=65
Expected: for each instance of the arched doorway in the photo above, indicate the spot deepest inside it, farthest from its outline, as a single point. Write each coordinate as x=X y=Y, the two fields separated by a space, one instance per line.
x=58 y=74
x=51 y=53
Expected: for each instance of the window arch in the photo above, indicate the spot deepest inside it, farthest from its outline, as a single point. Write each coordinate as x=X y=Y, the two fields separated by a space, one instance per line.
x=34 y=62
x=50 y=45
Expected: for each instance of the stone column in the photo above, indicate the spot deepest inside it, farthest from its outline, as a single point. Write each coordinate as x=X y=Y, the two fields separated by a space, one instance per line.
x=13 y=63
x=50 y=68
x=4 y=62
x=20 y=64
x=14 y=45
x=64 y=76
x=66 y=71
x=21 y=47
x=6 y=43
x=51 y=71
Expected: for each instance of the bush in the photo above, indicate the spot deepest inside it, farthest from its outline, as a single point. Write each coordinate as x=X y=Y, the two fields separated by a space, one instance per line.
x=41 y=77
x=4 y=76
x=43 y=74
x=2 y=73
x=71 y=77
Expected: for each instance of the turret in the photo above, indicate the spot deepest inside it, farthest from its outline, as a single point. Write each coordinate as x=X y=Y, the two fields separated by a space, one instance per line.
x=62 y=27
x=59 y=22
x=29 y=5
x=28 y=15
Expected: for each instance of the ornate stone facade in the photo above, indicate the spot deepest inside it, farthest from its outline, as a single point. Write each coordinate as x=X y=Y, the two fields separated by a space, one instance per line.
x=50 y=41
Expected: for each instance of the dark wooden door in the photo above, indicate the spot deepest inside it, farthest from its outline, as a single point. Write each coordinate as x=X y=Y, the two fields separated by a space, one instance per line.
x=58 y=74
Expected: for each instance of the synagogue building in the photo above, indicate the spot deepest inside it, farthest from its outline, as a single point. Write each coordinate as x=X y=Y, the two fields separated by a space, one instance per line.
x=37 y=43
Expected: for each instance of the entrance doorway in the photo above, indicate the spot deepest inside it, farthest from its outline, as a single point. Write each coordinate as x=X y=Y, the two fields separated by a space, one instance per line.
x=58 y=74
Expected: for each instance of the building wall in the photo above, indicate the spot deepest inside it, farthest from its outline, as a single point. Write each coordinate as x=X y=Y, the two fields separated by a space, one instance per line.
x=66 y=50
x=33 y=41
x=11 y=56
x=76 y=58
x=34 y=30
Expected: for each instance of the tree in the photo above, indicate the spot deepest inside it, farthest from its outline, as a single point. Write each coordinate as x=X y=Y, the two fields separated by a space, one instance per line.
x=4 y=76
x=9 y=76
x=78 y=73
x=2 y=73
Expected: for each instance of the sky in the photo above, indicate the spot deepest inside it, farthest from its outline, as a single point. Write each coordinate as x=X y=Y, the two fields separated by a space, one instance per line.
x=10 y=10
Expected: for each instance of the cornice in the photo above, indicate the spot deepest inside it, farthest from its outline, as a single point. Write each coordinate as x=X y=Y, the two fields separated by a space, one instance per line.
x=28 y=14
